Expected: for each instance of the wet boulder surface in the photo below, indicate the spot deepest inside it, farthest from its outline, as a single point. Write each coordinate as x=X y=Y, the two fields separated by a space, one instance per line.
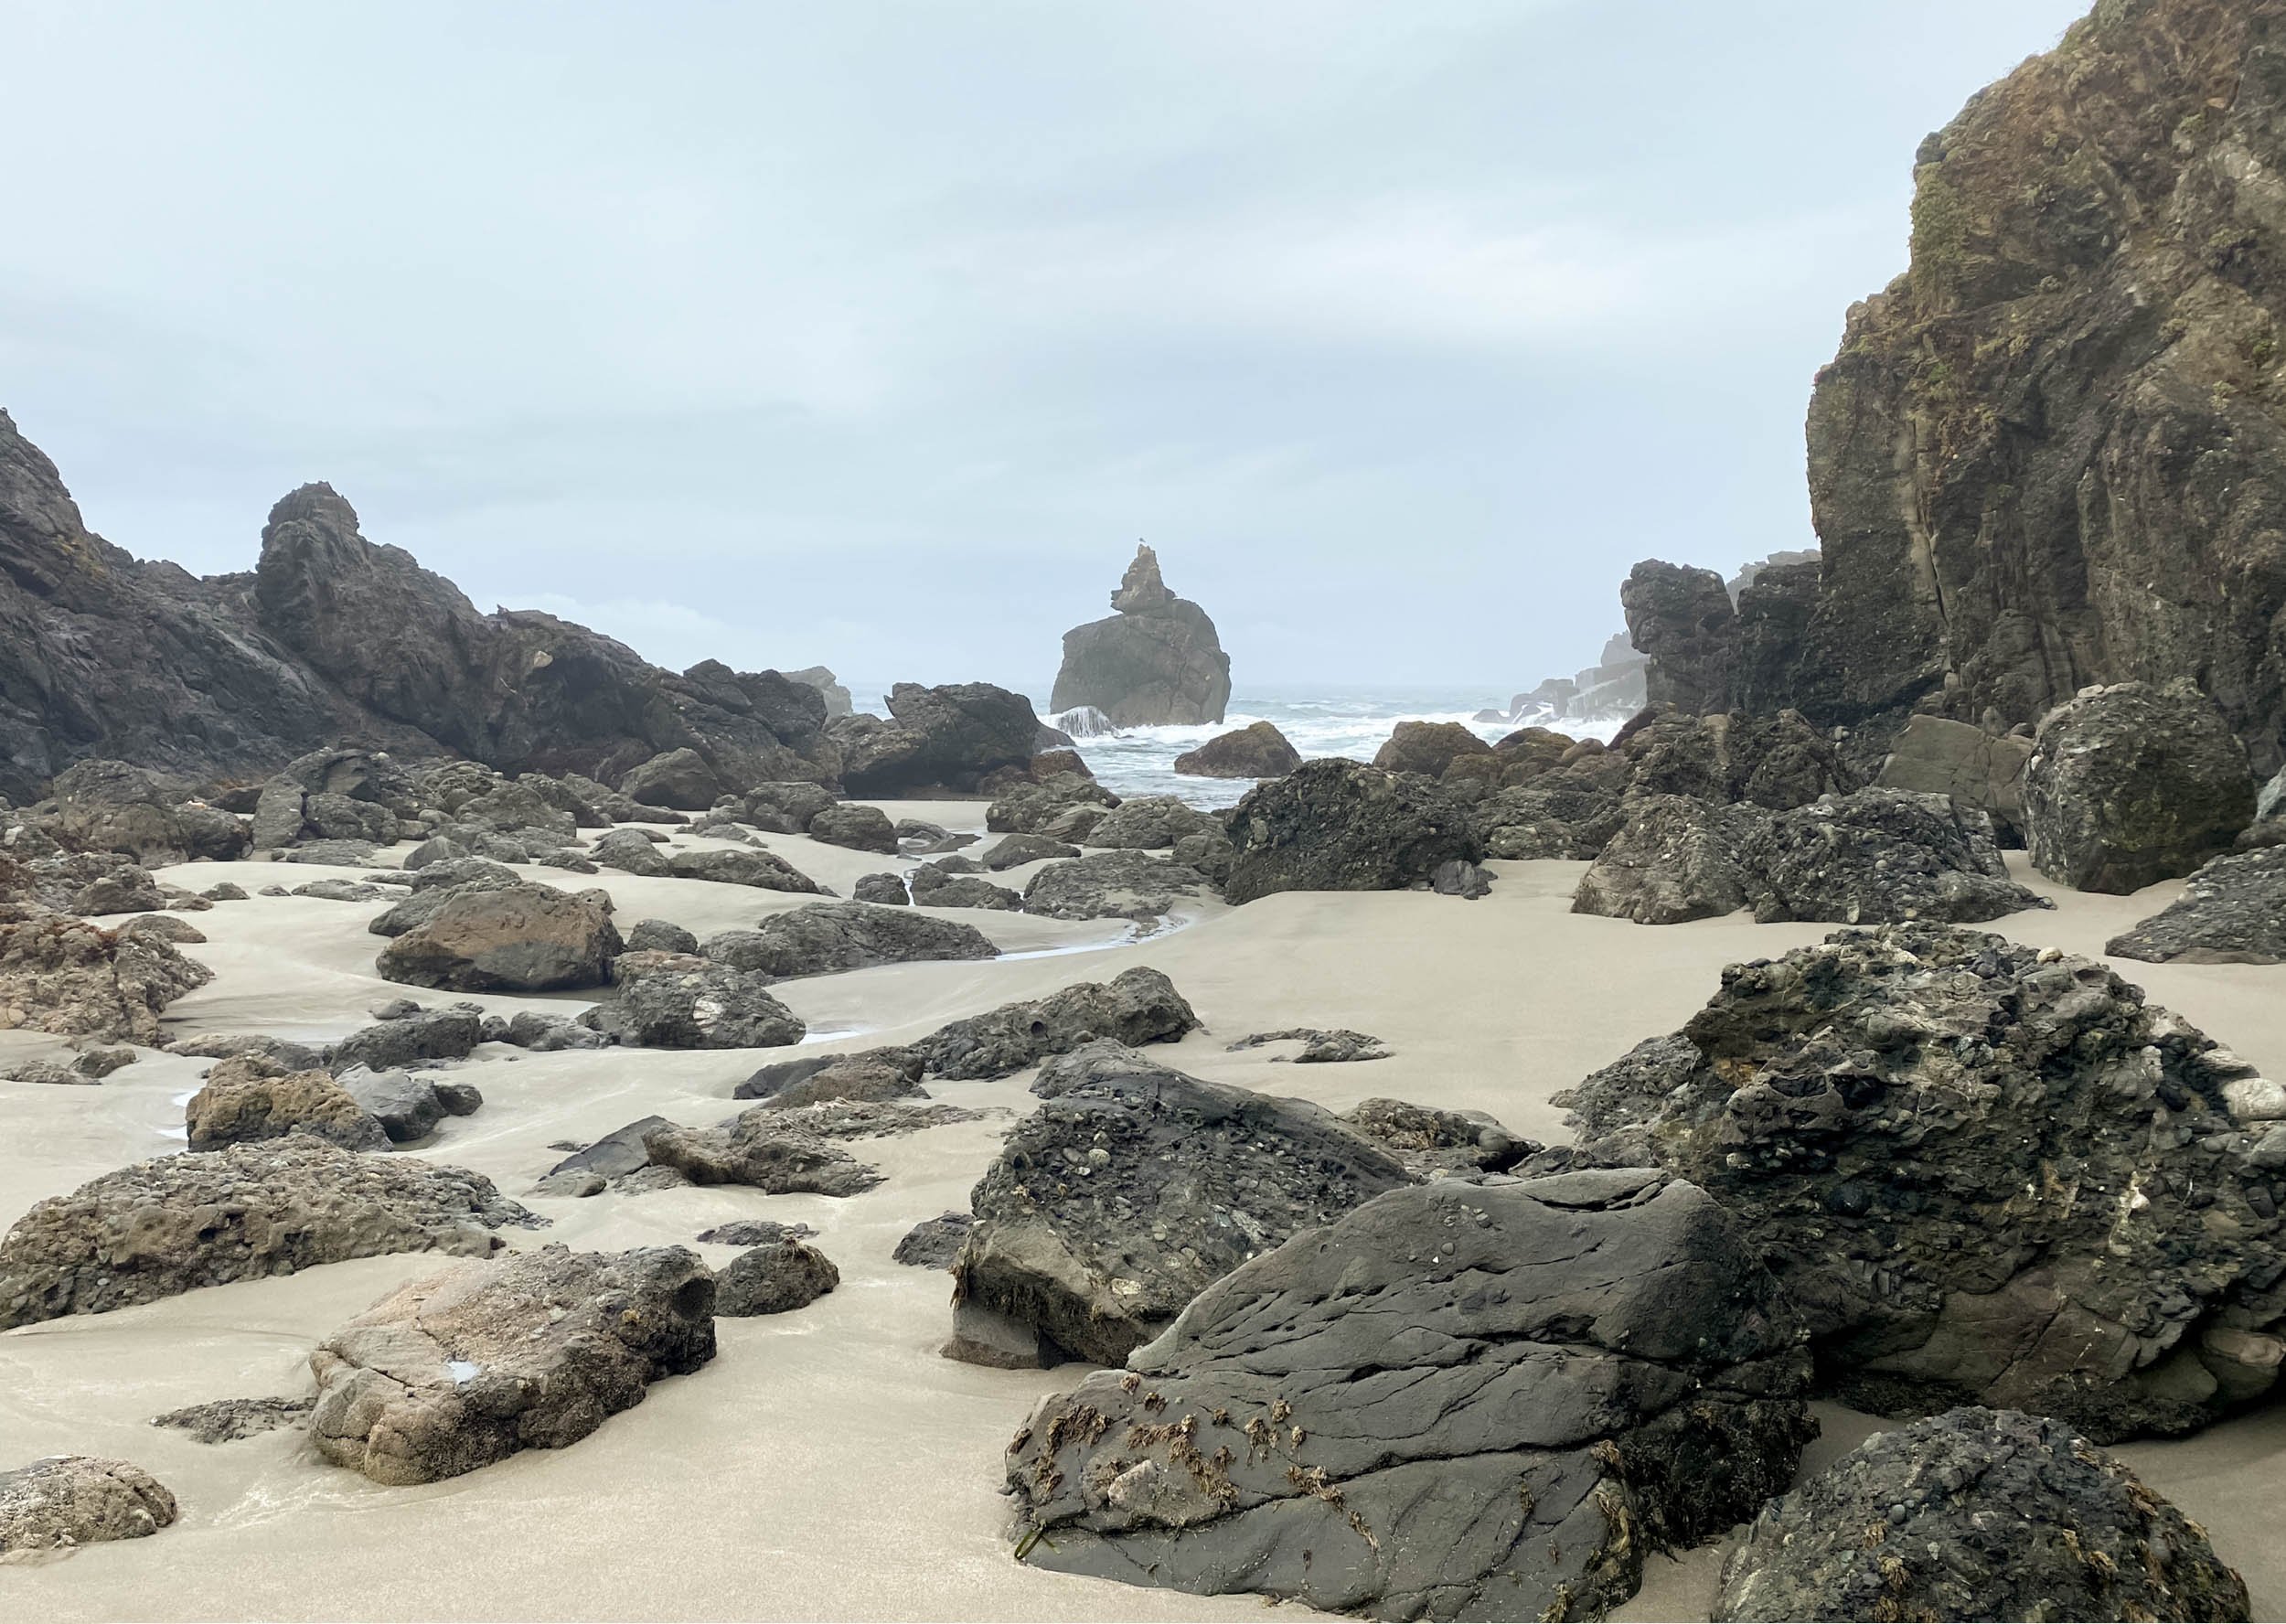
x=1134 y=1186
x=1121 y=884
x=205 y=1218
x=776 y=1279
x=1988 y=1173
x=1256 y=751
x=530 y=1351
x=1459 y=1400
x=1976 y=1513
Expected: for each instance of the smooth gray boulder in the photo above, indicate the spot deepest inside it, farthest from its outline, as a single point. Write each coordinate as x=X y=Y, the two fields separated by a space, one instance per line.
x=1985 y=771
x=409 y=1105
x=765 y=870
x=774 y=1279
x=856 y=826
x=418 y=1037
x=627 y=851
x=519 y=938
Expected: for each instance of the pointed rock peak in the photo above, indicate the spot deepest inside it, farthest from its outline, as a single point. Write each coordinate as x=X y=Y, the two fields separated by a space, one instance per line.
x=1141 y=589
x=318 y=503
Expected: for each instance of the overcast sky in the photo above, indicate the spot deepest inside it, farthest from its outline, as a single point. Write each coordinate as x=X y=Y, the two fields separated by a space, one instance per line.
x=876 y=334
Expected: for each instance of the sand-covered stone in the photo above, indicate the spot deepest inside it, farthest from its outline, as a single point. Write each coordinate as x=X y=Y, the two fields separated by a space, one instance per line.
x=765 y=870
x=2232 y=912
x=69 y=1501
x=1125 y=884
x=768 y=1148
x=871 y=1075
x=1455 y=1400
x=672 y=1001
x=74 y=978
x=1138 y=1006
x=533 y=1350
x=246 y=1100
x=1976 y=1513
x=824 y=938
x=205 y=1218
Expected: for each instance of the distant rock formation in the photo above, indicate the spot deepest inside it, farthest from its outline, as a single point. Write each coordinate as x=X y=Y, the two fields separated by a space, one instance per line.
x=837 y=700
x=1156 y=663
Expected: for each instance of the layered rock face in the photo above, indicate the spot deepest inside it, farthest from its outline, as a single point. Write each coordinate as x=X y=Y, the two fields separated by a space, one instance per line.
x=2049 y=454
x=1156 y=663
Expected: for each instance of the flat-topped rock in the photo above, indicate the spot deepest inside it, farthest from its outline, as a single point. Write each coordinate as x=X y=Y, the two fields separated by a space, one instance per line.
x=517 y=938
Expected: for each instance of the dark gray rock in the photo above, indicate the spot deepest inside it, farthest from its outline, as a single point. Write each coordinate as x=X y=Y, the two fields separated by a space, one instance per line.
x=422 y=1037
x=2232 y=912
x=1879 y=857
x=1013 y=850
x=1675 y=858
x=1976 y=1513
x=859 y=828
x=1125 y=884
x=1258 y=751
x=1987 y=1174
x=1034 y=807
x=660 y=936
x=629 y=851
x=871 y=1075
x=1319 y=1046
x=2132 y=785
x=227 y=1420
x=1334 y=825
x=1456 y=1400
x=756 y=1231
x=617 y=1154
x=1131 y=1189
x=785 y=808
x=531 y=1029
x=771 y=1149
x=886 y=891
x=762 y=869
x=934 y=887
x=938 y=738
x=933 y=1243
x=1155 y=663
x=1138 y=1006
x=824 y=938
x=1568 y=813
x=1148 y=823
x=774 y=1279
x=407 y=1106
x=1430 y=1141
x=1683 y=621
x=682 y=779
x=1458 y=877
x=1933 y=756
x=672 y=1001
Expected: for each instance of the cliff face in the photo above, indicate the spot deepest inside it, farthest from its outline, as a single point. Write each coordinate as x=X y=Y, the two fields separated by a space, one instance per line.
x=2054 y=452
x=1156 y=663
x=333 y=640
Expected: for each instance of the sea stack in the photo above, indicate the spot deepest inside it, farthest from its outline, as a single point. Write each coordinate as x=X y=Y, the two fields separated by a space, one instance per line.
x=1155 y=663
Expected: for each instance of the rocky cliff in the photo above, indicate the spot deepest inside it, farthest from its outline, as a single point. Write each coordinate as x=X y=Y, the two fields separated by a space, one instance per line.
x=1155 y=663
x=334 y=640
x=2054 y=452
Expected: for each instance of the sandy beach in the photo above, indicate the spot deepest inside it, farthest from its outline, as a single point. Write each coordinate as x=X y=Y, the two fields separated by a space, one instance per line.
x=828 y=1463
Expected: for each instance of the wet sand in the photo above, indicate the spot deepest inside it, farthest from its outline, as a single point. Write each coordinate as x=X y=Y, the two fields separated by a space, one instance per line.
x=827 y=1463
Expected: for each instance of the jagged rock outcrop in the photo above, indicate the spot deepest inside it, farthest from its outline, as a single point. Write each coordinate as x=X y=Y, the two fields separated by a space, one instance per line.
x=530 y=1351
x=1457 y=1401
x=948 y=740
x=1255 y=751
x=1976 y=1513
x=2132 y=785
x=1987 y=1174
x=2047 y=455
x=72 y=977
x=836 y=697
x=69 y=1501
x=1130 y=1189
x=1682 y=620
x=1336 y=825
x=205 y=1218
x=2233 y=912
x=1156 y=663
x=1676 y=858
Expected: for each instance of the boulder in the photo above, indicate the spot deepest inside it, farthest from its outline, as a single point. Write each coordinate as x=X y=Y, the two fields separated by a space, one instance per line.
x=205 y=1218
x=872 y=1074
x=1138 y=1006
x=243 y=1102
x=627 y=851
x=418 y=1037
x=111 y=805
x=765 y=871
x=825 y=938
x=1011 y=851
x=660 y=936
x=1976 y=1513
x=938 y=738
x=1105 y=886
x=617 y=1154
x=1430 y=1141
x=74 y=978
x=1675 y=858
x=1255 y=751
x=1985 y=771
x=935 y=1242
x=2132 y=785
x=516 y=938
x=409 y=1105
x=786 y=807
x=2233 y=912
x=1130 y=1189
x=1334 y=825
x=1319 y=1046
x=766 y=1147
x=1155 y=663
x=1988 y=1173
x=1428 y=747
x=530 y=1351
x=774 y=1279
x=884 y=889
x=859 y=828
x=681 y=779
x=1456 y=1400
x=931 y=887
x=531 y=1029
x=1149 y=823
x=1031 y=809
x=1568 y=813
x=1878 y=857
x=672 y=1001
x=1684 y=622
x=1458 y=877
x=69 y=1501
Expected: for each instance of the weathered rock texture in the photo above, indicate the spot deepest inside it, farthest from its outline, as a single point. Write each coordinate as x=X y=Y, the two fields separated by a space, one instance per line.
x=1980 y=770
x=1135 y=1007
x=673 y=1000
x=1973 y=1514
x=774 y=1279
x=1334 y=825
x=936 y=740
x=513 y=938
x=823 y=938
x=176 y=1222
x=1156 y=663
x=1256 y=751
x=1988 y=1174
x=1133 y=1187
x=2132 y=785
x=1683 y=622
x=1459 y=1400
x=533 y=1350
x=2233 y=912
x=74 y=978
x=69 y=1501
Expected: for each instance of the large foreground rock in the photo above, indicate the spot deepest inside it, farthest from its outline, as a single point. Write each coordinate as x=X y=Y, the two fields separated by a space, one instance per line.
x=1334 y=825
x=1973 y=1514
x=1256 y=751
x=823 y=938
x=2232 y=912
x=517 y=938
x=1135 y=1007
x=2132 y=785
x=1988 y=1174
x=1130 y=1189
x=176 y=1222
x=1155 y=663
x=69 y=1501
x=674 y=1000
x=1459 y=1400
x=530 y=1351
x=75 y=978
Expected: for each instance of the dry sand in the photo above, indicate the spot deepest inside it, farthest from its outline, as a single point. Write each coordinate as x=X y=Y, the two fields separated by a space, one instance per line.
x=828 y=1463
